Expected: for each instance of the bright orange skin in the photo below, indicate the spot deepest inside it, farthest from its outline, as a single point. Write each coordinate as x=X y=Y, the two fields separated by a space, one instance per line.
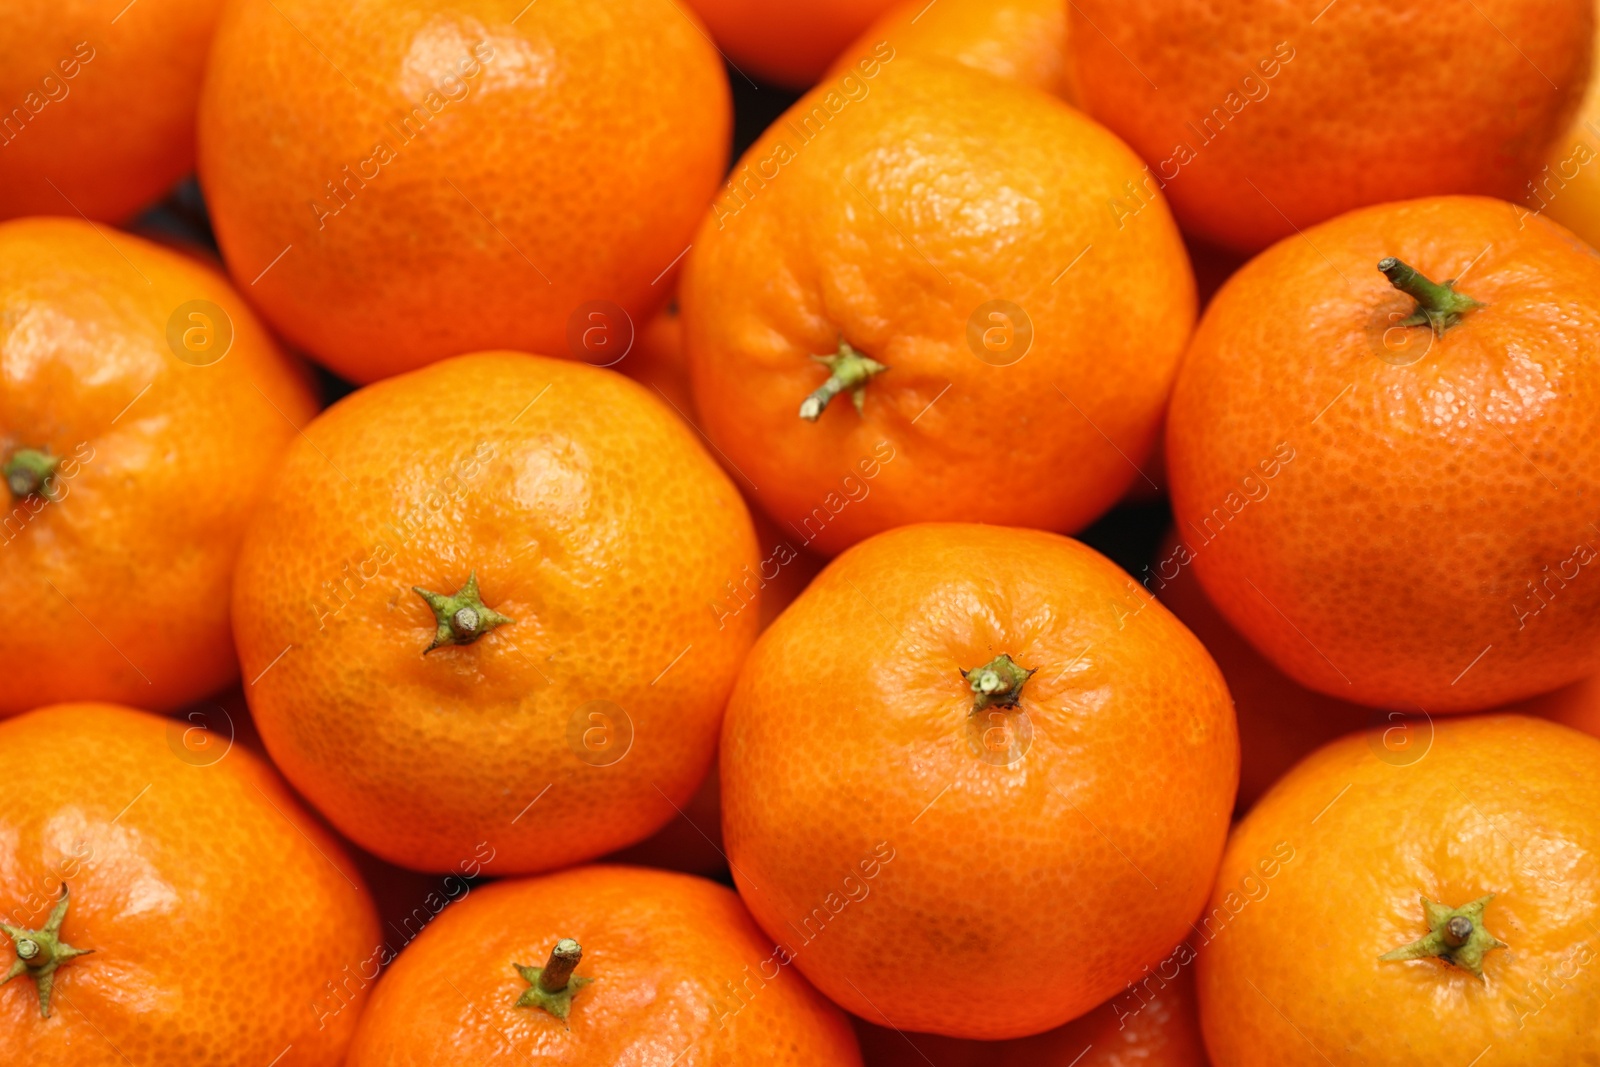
x=98 y=99
x=1280 y=721
x=790 y=42
x=680 y=973
x=1158 y=1028
x=202 y=952
x=848 y=771
x=1314 y=115
x=1022 y=41
x=1500 y=804
x=994 y=211
x=118 y=590
x=592 y=518
x=505 y=212
x=1422 y=501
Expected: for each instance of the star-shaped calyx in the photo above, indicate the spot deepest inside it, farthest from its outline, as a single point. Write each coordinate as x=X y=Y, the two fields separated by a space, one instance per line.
x=1455 y=935
x=551 y=987
x=997 y=683
x=848 y=371
x=462 y=617
x=41 y=952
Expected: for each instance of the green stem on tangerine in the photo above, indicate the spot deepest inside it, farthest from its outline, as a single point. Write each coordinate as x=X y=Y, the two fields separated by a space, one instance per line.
x=551 y=987
x=462 y=617
x=41 y=952
x=1455 y=935
x=847 y=370
x=997 y=683
x=1439 y=306
x=29 y=471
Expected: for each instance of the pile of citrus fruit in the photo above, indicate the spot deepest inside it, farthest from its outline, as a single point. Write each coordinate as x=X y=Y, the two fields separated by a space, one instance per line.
x=823 y=533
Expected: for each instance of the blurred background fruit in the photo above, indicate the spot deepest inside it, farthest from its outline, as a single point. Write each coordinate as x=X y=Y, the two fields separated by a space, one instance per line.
x=1566 y=188
x=578 y=706
x=1328 y=876
x=428 y=179
x=789 y=42
x=97 y=103
x=1392 y=517
x=1261 y=119
x=1022 y=41
x=1155 y=1024
x=142 y=410
x=159 y=844
x=1030 y=334
x=671 y=967
x=956 y=730
x=1280 y=721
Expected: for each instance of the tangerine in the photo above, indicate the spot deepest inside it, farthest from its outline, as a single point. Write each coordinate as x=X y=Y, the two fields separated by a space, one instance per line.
x=135 y=897
x=1351 y=436
x=1431 y=907
x=954 y=730
x=399 y=182
x=143 y=409
x=485 y=604
x=97 y=103
x=1260 y=120
x=906 y=309
x=638 y=966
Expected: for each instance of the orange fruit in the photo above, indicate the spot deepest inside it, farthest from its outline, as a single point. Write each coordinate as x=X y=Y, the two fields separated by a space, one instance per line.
x=954 y=730
x=1280 y=721
x=1261 y=120
x=540 y=161
x=669 y=969
x=1029 y=335
x=789 y=42
x=142 y=409
x=1566 y=187
x=1414 y=911
x=1152 y=1025
x=1023 y=41
x=134 y=896
x=657 y=361
x=503 y=574
x=97 y=103
x=1393 y=517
